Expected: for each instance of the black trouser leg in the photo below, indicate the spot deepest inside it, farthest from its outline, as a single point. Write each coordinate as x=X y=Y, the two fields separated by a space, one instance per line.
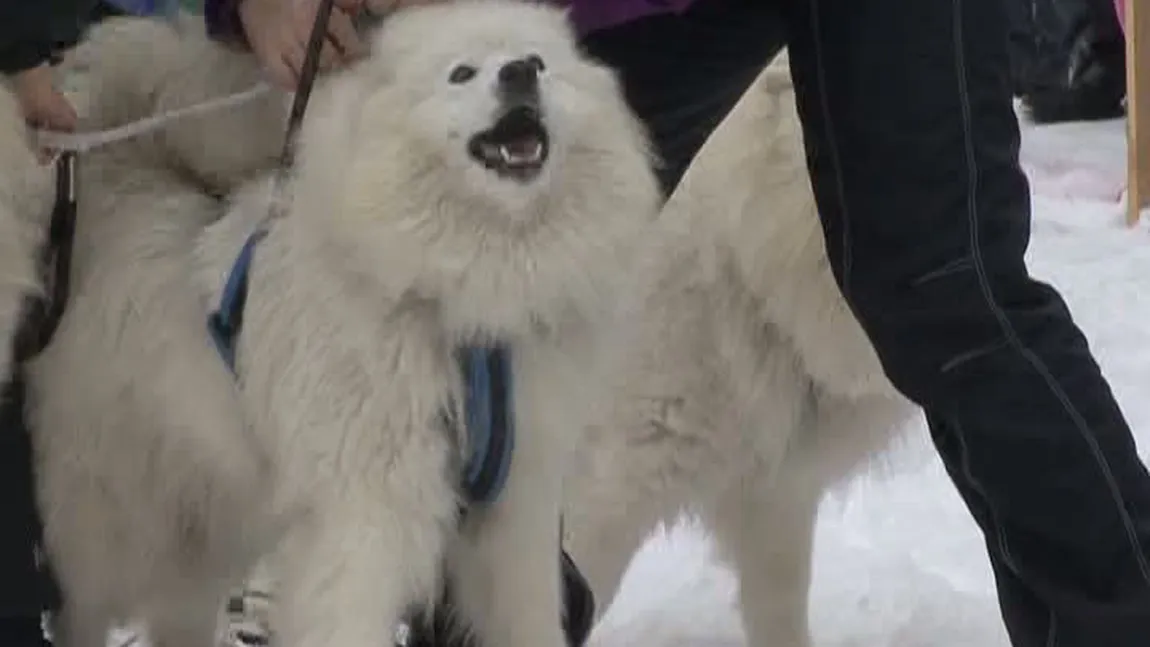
x=683 y=74
x=913 y=146
x=23 y=591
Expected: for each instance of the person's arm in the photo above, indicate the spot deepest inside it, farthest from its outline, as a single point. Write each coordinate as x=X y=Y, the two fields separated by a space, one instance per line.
x=277 y=32
x=29 y=31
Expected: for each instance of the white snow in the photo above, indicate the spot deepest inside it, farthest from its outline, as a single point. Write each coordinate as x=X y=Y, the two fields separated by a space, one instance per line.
x=898 y=561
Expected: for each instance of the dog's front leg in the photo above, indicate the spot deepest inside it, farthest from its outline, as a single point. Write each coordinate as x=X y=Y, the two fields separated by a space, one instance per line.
x=364 y=551
x=506 y=566
x=765 y=529
x=506 y=569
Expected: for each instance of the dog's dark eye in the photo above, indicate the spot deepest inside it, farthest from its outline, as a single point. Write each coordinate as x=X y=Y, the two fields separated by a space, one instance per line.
x=462 y=74
x=536 y=61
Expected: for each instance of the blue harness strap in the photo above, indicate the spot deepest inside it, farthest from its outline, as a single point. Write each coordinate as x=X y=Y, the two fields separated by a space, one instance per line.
x=489 y=419
x=154 y=8
x=224 y=324
x=488 y=410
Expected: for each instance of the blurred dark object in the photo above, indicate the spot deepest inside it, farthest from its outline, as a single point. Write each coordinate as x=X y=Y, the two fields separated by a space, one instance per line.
x=1068 y=59
x=104 y=10
x=100 y=11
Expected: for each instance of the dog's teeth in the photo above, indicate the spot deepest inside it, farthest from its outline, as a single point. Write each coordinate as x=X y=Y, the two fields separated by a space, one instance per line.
x=512 y=157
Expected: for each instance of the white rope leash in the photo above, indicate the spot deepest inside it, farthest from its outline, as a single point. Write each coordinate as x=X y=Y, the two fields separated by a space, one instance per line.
x=83 y=142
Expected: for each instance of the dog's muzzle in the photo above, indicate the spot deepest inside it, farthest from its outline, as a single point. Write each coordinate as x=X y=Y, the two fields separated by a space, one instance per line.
x=519 y=81
x=516 y=146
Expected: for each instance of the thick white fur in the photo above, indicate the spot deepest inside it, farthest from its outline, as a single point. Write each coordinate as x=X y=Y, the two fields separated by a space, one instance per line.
x=750 y=387
x=25 y=195
x=163 y=480
x=141 y=445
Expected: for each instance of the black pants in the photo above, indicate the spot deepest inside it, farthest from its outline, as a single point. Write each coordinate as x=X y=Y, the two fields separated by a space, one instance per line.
x=26 y=586
x=25 y=591
x=912 y=146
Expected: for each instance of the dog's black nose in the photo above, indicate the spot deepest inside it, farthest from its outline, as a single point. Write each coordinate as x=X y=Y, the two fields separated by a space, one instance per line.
x=519 y=79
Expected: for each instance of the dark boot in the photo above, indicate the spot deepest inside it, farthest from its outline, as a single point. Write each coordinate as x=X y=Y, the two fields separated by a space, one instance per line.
x=1095 y=85
x=22 y=631
x=1067 y=59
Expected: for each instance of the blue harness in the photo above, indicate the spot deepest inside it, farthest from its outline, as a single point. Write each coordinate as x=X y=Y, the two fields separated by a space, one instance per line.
x=153 y=8
x=487 y=378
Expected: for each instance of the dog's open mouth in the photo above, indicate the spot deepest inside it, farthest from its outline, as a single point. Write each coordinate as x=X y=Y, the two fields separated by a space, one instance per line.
x=515 y=147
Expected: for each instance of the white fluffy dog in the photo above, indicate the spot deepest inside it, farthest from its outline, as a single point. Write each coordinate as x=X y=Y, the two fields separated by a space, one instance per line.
x=25 y=207
x=473 y=180
x=750 y=387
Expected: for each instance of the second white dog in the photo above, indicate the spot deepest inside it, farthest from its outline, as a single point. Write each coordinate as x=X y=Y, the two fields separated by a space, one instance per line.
x=750 y=388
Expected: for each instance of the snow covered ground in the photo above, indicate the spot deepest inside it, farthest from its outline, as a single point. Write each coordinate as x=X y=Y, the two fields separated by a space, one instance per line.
x=898 y=562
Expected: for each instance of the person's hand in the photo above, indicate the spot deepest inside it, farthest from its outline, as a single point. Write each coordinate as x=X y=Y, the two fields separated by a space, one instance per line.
x=381 y=7
x=278 y=32
x=42 y=104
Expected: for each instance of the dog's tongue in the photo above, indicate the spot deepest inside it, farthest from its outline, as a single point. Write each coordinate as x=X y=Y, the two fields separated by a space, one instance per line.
x=522 y=147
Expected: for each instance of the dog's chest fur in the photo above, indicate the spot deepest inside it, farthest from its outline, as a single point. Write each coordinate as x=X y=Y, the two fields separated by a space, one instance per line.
x=343 y=387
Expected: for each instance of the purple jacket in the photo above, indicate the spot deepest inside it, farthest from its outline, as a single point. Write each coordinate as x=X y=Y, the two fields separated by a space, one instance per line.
x=593 y=15
x=587 y=15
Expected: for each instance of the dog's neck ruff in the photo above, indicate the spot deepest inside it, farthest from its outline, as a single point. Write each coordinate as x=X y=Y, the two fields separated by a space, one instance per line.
x=488 y=408
x=488 y=414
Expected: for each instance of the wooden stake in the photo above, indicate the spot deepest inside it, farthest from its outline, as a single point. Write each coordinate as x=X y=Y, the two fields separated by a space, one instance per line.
x=1137 y=108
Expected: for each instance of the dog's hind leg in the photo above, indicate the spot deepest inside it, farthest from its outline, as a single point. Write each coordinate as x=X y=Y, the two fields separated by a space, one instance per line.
x=766 y=533
x=190 y=619
x=77 y=625
x=607 y=517
x=643 y=469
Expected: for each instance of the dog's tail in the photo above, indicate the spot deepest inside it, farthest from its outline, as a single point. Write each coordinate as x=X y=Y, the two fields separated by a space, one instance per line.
x=120 y=64
x=219 y=93
x=128 y=66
